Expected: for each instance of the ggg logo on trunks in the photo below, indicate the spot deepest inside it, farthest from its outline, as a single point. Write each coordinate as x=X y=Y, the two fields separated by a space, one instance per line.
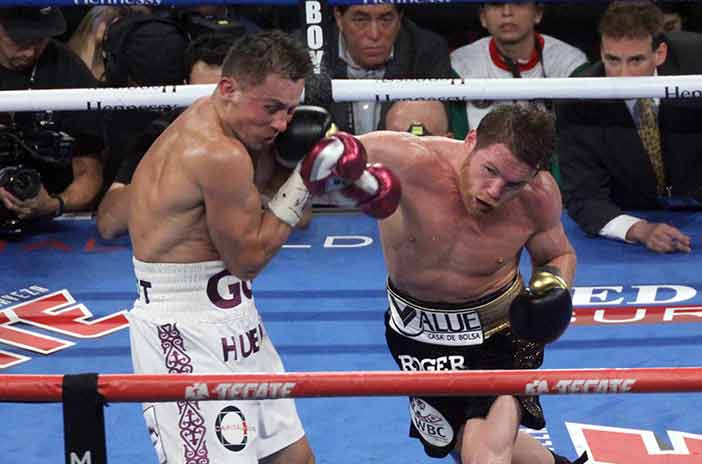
x=430 y=423
x=232 y=429
x=226 y=291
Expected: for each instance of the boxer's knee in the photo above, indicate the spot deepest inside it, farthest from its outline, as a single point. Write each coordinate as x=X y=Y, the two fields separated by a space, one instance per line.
x=491 y=440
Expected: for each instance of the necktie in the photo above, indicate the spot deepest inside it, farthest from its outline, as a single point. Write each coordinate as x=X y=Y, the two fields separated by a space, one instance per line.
x=651 y=139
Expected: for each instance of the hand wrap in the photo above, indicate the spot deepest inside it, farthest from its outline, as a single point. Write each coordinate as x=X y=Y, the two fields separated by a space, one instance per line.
x=289 y=202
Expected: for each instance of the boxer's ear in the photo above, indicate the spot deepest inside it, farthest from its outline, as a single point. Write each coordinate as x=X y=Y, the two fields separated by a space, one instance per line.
x=228 y=87
x=471 y=140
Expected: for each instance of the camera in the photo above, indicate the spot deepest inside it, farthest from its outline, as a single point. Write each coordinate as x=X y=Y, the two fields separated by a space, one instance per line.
x=197 y=24
x=24 y=150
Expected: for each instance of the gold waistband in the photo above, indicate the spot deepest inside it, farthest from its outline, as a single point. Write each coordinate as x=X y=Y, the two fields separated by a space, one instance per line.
x=493 y=314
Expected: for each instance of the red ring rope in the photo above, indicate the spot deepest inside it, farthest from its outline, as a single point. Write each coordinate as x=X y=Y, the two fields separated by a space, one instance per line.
x=139 y=387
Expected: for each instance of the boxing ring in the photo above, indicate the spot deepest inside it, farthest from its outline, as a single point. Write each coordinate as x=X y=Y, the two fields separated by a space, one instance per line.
x=635 y=329
x=634 y=309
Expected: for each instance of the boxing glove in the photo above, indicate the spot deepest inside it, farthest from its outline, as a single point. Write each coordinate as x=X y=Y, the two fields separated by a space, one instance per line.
x=542 y=312
x=333 y=163
x=377 y=193
x=309 y=124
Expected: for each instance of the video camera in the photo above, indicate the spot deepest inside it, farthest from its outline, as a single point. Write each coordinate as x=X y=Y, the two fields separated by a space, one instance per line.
x=23 y=150
x=197 y=24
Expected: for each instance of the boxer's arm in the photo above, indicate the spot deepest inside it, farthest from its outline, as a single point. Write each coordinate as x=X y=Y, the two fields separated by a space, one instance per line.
x=552 y=248
x=543 y=311
x=398 y=151
x=549 y=245
x=245 y=235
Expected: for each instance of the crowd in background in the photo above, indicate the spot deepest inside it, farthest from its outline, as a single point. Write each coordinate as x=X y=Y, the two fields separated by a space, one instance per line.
x=139 y=46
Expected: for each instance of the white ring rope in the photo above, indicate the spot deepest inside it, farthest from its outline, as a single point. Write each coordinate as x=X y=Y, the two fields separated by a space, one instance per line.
x=349 y=90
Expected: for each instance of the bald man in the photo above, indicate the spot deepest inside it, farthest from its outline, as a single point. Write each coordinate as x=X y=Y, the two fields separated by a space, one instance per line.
x=428 y=115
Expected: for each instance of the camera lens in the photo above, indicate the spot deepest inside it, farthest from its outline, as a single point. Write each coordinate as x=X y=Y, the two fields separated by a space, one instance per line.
x=23 y=183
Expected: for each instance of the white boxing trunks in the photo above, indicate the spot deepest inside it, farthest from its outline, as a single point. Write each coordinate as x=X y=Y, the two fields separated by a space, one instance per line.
x=198 y=318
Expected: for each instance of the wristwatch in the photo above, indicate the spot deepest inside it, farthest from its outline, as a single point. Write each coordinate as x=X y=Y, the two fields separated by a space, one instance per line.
x=61 y=207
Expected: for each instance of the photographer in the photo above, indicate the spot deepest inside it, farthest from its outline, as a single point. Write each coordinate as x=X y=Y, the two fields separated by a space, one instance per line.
x=63 y=148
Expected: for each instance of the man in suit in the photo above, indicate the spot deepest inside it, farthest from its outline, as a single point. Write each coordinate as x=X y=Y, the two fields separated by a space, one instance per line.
x=635 y=154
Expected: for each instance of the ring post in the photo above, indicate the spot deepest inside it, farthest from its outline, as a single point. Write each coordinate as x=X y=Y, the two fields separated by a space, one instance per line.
x=83 y=420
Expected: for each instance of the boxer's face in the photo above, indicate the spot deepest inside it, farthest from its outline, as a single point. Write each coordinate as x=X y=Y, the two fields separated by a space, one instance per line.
x=492 y=176
x=511 y=23
x=627 y=57
x=261 y=112
x=369 y=32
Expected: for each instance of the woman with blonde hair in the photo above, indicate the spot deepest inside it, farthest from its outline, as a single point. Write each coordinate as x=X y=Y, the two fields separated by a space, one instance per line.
x=86 y=40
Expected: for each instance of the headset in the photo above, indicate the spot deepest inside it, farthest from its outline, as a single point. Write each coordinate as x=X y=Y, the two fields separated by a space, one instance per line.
x=115 y=41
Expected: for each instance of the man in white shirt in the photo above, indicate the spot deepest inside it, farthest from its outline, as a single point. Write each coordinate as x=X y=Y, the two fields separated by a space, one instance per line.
x=513 y=49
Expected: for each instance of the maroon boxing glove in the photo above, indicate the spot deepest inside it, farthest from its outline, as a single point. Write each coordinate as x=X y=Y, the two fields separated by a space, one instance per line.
x=333 y=163
x=377 y=192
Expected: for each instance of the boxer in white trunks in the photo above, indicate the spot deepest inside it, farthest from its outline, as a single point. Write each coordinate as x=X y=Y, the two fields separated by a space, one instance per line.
x=457 y=302
x=200 y=235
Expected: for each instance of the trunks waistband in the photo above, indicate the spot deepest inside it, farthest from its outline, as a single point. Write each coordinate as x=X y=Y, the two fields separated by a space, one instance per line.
x=190 y=284
x=440 y=322
x=443 y=306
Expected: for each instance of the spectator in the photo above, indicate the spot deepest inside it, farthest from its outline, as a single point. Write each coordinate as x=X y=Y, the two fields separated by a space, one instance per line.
x=378 y=42
x=86 y=41
x=635 y=154
x=142 y=49
x=203 y=59
x=139 y=50
x=423 y=117
x=675 y=16
x=222 y=19
x=512 y=50
x=71 y=173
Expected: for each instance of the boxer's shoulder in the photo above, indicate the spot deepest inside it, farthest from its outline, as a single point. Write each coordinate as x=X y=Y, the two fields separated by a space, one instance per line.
x=217 y=160
x=398 y=150
x=542 y=199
